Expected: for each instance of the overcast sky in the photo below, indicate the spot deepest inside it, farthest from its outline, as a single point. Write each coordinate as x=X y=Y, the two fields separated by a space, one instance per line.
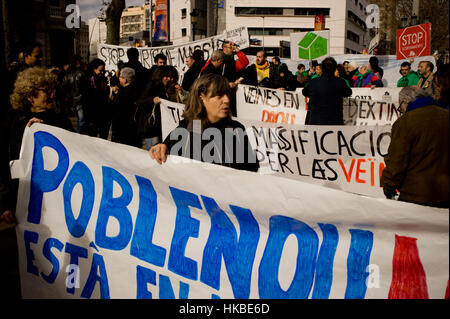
x=90 y=8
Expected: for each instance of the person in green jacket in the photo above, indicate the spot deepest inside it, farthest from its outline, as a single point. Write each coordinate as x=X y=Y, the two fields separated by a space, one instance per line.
x=409 y=77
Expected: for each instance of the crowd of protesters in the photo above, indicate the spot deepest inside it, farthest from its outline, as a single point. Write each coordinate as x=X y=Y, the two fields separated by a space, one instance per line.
x=124 y=105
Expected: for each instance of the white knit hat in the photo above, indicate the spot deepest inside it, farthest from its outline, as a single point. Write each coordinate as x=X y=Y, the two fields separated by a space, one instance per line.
x=354 y=65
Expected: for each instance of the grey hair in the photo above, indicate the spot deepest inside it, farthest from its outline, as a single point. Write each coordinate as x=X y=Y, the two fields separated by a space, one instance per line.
x=217 y=55
x=367 y=66
x=411 y=93
x=129 y=74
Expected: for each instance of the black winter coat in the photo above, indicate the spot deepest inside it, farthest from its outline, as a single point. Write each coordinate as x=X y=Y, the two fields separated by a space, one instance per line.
x=11 y=133
x=249 y=163
x=148 y=114
x=326 y=95
x=142 y=74
x=123 y=124
x=191 y=75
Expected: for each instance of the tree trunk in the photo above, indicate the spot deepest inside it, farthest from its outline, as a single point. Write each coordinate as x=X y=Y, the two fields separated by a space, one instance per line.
x=113 y=15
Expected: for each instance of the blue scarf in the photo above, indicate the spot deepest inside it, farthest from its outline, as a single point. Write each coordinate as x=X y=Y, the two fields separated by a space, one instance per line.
x=421 y=102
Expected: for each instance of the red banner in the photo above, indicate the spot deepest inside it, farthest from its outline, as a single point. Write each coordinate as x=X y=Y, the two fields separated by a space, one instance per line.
x=160 y=28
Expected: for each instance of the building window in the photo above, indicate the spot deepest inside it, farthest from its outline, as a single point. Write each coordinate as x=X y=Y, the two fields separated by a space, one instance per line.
x=241 y=11
x=356 y=20
x=183 y=32
x=352 y=36
x=275 y=31
x=132 y=19
x=183 y=13
x=245 y=11
x=311 y=11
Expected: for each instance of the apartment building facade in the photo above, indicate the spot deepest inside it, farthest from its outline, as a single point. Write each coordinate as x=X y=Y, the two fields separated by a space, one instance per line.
x=271 y=22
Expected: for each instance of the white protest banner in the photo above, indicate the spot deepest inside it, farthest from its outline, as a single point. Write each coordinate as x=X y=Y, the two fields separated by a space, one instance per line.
x=389 y=64
x=170 y=116
x=102 y=220
x=270 y=105
x=176 y=54
x=367 y=106
x=348 y=158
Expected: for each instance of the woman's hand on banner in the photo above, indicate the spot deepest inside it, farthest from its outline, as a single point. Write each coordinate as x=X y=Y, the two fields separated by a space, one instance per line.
x=158 y=152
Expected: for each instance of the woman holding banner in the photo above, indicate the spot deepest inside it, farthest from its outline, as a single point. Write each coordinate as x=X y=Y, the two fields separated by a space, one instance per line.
x=32 y=101
x=207 y=119
x=148 y=114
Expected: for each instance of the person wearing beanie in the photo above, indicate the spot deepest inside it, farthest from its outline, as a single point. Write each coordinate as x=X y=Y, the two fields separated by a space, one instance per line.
x=352 y=68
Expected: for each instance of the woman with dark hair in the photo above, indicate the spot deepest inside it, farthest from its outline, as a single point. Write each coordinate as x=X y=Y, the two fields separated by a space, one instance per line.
x=208 y=112
x=98 y=113
x=148 y=113
x=341 y=73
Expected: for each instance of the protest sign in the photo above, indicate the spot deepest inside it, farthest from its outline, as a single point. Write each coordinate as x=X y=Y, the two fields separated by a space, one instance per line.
x=367 y=106
x=348 y=158
x=270 y=105
x=176 y=54
x=103 y=220
x=414 y=41
x=170 y=116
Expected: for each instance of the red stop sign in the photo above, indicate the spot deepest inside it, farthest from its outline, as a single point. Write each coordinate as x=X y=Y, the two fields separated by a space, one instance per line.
x=414 y=41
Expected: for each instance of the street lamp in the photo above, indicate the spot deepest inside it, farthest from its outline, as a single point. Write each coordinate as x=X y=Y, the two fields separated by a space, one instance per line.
x=414 y=19
x=263 y=31
x=194 y=14
x=404 y=22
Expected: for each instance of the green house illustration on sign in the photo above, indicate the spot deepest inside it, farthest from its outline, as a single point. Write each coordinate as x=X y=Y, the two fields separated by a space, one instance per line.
x=312 y=46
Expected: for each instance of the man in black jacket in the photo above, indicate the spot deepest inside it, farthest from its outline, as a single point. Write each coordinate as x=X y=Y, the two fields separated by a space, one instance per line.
x=326 y=96
x=142 y=73
x=195 y=62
